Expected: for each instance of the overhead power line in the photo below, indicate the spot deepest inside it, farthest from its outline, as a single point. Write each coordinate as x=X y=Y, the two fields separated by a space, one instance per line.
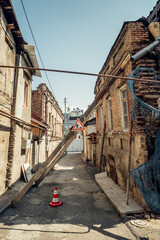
x=36 y=45
x=83 y=73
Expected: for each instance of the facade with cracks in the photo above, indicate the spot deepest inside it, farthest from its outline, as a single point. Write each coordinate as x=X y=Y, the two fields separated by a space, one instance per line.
x=15 y=97
x=46 y=108
x=126 y=144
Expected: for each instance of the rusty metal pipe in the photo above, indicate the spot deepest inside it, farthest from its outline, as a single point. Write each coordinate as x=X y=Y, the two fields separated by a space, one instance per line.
x=145 y=50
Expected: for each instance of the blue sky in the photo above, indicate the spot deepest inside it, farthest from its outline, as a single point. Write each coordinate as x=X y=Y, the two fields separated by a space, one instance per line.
x=76 y=35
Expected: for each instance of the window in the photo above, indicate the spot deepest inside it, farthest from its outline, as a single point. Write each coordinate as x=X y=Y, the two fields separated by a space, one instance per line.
x=101 y=109
x=50 y=118
x=109 y=113
x=25 y=94
x=52 y=122
x=124 y=108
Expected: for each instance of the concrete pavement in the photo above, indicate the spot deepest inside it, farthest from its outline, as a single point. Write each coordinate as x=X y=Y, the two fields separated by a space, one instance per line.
x=85 y=213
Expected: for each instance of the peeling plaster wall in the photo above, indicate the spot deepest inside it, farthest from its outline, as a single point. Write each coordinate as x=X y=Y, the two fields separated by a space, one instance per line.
x=22 y=111
x=6 y=93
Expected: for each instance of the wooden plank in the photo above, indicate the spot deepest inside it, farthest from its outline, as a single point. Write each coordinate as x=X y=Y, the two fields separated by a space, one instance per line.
x=102 y=145
x=42 y=169
x=151 y=96
x=10 y=26
x=57 y=157
x=117 y=196
x=26 y=172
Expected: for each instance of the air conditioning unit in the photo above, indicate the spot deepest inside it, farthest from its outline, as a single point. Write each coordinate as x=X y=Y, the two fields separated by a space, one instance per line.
x=26 y=143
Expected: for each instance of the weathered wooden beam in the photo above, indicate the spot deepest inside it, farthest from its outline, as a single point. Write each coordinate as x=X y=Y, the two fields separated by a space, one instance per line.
x=17 y=32
x=11 y=26
x=53 y=163
x=42 y=169
x=102 y=144
x=60 y=149
x=7 y=8
x=151 y=96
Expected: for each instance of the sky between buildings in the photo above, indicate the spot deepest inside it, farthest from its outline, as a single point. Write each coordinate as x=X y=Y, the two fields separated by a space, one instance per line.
x=76 y=35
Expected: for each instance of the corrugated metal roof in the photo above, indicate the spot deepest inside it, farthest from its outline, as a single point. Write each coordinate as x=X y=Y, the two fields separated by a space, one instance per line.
x=30 y=50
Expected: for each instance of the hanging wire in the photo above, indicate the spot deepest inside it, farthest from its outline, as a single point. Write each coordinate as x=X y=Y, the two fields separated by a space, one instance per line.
x=36 y=45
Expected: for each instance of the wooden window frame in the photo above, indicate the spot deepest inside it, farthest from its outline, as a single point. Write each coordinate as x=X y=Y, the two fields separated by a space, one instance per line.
x=109 y=113
x=125 y=122
x=25 y=100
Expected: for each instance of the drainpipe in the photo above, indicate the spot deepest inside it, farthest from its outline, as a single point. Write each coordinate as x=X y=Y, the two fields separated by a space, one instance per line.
x=154 y=29
x=13 y=127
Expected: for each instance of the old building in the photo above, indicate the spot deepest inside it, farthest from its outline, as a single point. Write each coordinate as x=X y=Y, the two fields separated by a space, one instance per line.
x=70 y=120
x=89 y=140
x=46 y=108
x=15 y=97
x=115 y=130
x=38 y=141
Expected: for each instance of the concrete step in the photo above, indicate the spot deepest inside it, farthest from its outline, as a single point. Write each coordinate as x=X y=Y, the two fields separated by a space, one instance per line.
x=117 y=196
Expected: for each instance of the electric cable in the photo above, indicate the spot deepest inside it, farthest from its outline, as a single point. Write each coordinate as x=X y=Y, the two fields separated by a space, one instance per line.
x=85 y=74
x=36 y=46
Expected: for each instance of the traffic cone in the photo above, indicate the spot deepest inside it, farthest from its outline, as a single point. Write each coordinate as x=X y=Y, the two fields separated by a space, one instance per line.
x=55 y=201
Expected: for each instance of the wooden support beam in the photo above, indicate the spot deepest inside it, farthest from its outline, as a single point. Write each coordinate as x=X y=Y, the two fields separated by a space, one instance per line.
x=102 y=145
x=53 y=163
x=60 y=149
x=17 y=32
x=11 y=26
x=151 y=96
x=43 y=168
x=7 y=8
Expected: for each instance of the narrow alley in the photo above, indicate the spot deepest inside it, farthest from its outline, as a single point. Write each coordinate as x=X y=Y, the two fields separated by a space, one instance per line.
x=79 y=120
x=85 y=213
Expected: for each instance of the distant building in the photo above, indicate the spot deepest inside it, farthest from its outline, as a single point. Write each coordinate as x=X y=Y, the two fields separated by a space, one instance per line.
x=70 y=120
x=89 y=138
x=71 y=117
x=46 y=108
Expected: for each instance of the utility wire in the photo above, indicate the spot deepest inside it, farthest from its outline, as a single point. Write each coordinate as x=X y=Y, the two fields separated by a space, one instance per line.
x=36 y=46
x=83 y=73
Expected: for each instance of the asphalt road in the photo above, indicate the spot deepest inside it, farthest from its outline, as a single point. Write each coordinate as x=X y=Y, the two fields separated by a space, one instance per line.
x=85 y=214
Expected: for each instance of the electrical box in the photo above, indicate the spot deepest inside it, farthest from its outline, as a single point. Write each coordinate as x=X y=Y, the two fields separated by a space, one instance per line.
x=26 y=143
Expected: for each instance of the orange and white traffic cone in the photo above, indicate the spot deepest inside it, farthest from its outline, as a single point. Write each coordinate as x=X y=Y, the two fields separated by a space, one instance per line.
x=55 y=201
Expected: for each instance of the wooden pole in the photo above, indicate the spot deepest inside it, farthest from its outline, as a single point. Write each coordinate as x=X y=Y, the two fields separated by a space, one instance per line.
x=129 y=161
x=102 y=145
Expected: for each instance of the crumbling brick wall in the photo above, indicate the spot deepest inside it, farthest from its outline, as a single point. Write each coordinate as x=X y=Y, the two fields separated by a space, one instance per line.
x=133 y=37
x=37 y=102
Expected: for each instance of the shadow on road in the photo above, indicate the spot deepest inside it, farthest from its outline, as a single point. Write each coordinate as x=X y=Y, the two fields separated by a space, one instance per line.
x=85 y=210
